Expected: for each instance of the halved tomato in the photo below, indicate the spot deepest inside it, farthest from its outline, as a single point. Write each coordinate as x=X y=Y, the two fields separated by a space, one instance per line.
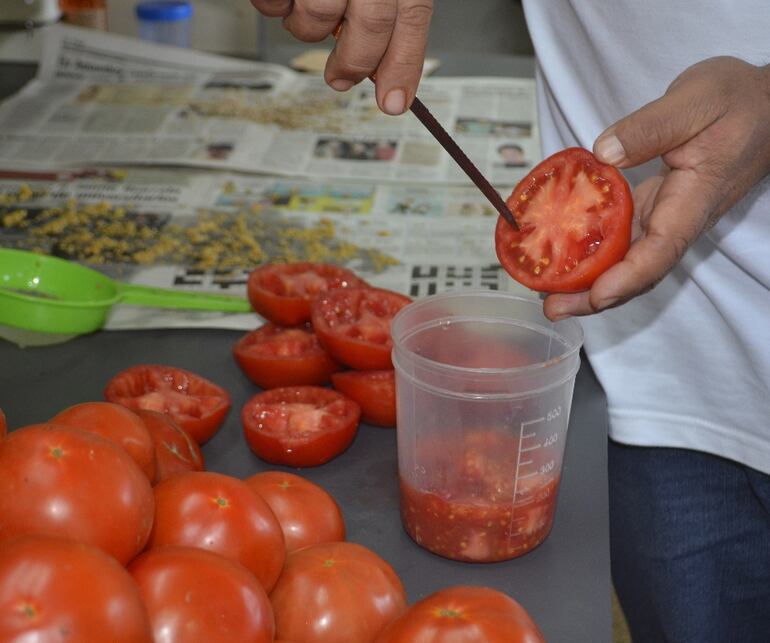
x=282 y=292
x=194 y=403
x=299 y=426
x=354 y=325
x=273 y=356
x=374 y=391
x=574 y=215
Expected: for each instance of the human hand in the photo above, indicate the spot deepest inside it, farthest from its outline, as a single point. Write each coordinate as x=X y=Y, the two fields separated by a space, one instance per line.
x=383 y=36
x=712 y=131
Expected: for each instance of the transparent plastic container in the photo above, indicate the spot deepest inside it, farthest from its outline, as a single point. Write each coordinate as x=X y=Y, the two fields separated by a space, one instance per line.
x=484 y=386
x=168 y=22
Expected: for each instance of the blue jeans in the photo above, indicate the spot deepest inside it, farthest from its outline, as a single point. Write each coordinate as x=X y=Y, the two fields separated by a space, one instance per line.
x=690 y=536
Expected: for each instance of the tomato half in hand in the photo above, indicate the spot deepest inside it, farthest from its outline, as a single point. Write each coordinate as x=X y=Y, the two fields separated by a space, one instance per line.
x=574 y=215
x=307 y=513
x=373 y=391
x=273 y=356
x=193 y=595
x=54 y=589
x=282 y=292
x=354 y=325
x=463 y=613
x=299 y=426
x=336 y=593
x=194 y=403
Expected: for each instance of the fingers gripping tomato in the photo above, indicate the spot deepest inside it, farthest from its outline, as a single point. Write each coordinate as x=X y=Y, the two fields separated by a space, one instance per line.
x=574 y=215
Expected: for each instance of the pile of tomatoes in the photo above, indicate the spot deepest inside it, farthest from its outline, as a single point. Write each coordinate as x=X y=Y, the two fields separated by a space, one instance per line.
x=326 y=325
x=162 y=550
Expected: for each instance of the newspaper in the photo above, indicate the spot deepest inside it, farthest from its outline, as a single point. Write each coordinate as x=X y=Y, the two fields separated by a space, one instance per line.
x=202 y=231
x=100 y=99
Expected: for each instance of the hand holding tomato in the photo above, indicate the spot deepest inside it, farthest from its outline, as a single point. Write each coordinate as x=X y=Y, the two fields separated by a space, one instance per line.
x=712 y=131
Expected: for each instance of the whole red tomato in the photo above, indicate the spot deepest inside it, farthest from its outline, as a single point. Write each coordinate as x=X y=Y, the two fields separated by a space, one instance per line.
x=193 y=595
x=116 y=423
x=59 y=590
x=194 y=403
x=336 y=593
x=574 y=215
x=308 y=514
x=299 y=426
x=373 y=391
x=464 y=615
x=175 y=450
x=222 y=514
x=61 y=481
x=273 y=356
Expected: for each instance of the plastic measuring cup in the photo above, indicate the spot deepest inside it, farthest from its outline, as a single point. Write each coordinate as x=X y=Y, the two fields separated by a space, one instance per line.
x=483 y=388
x=60 y=298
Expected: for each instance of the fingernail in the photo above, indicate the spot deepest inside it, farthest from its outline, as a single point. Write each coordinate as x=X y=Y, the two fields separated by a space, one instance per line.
x=395 y=102
x=610 y=150
x=341 y=84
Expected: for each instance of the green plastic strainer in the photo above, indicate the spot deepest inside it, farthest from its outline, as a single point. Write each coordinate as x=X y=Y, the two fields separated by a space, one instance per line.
x=56 y=297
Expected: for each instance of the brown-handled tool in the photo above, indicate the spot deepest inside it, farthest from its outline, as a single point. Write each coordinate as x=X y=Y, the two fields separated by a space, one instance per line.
x=447 y=142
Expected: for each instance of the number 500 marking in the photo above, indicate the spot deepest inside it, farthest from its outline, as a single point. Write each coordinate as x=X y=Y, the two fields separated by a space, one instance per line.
x=553 y=414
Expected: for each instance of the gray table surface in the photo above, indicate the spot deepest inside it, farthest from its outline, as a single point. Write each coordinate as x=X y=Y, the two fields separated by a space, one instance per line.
x=564 y=584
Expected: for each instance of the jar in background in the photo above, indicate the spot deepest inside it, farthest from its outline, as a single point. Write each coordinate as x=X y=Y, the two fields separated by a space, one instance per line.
x=85 y=13
x=166 y=22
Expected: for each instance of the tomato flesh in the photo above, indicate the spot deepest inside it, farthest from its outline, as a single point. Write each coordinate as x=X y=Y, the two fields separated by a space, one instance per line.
x=354 y=325
x=299 y=426
x=574 y=216
x=272 y=356
x=194 y=403
x=282 y=293
x=480 y=511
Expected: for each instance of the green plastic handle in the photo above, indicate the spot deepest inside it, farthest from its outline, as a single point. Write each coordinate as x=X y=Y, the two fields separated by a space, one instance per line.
x=166 y=298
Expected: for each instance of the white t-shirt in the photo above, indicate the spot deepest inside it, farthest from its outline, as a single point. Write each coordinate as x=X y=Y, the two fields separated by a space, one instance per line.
x=687 y=364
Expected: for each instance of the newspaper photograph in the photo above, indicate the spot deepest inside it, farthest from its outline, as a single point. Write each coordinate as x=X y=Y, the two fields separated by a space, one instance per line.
x=100 y=100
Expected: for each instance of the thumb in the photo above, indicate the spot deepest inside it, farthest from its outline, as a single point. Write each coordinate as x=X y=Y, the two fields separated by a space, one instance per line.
x=662 y=125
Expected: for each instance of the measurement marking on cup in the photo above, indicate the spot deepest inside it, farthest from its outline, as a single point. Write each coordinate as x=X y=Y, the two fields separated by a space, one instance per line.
x=532 y=448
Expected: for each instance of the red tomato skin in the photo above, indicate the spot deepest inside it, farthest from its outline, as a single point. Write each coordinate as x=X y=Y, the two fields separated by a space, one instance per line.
x=60 y=481
x=373 y=391
x=175 y=451
x=3 y=425
x=337 y=321
x=221 y=514
x=193 y=595
x=53 y=589
x=313 y=366
x=309 y=449
x=616 y=233
x=117 y=424
x=307 y=513
x=336 y=593
x=267 y=285
x=464 y=613
x=193 y=402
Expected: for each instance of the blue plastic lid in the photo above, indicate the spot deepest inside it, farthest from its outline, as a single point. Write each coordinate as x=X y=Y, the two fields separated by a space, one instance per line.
x=164 y=11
